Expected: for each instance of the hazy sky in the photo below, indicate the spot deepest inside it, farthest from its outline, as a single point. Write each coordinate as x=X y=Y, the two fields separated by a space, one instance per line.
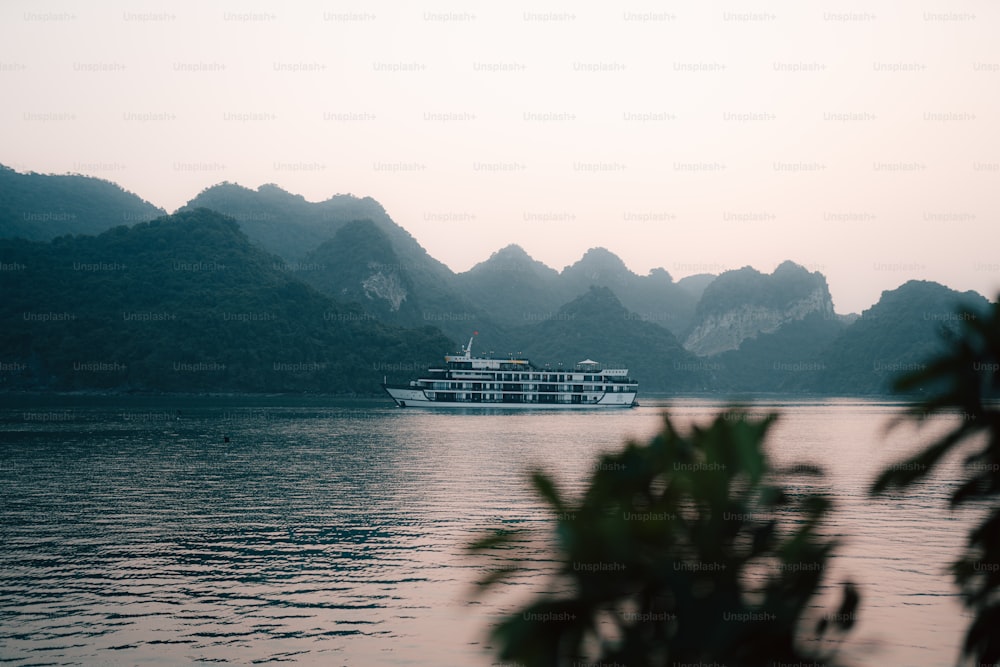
x=861 y=139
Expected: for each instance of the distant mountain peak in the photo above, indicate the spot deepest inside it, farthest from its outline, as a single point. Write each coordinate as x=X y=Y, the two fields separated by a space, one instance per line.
x=367 y=201
x=900 y=332
x=271 y=186
x=742 y=271
x=602 y=254
x=790 y=266
x=222 y=186
x=598 y=299
x=599 y=265
x=511 y=251
x=41 y=207
x=513 y=259
x=661 y=274
x=922 y=291
x=362 y=227
x=274 y=188
x=744 y=303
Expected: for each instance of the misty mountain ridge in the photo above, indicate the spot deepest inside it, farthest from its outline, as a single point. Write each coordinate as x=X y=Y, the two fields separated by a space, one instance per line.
x=517 y=288
x=509 y=289
x=360 y=265
x=291 y=227
x=387 y=272
x=596 y=325
x=740 y=331
x=186 y=303
x=40 y=207
x=906 y=327
x=514 y=287
x=744 y=303
x=520 y=288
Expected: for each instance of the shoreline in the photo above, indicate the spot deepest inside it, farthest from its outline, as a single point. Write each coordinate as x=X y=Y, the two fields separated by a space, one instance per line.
x=8 y=396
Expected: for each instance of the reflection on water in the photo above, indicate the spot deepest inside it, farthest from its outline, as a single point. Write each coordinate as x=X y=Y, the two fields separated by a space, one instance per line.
x=326 y=534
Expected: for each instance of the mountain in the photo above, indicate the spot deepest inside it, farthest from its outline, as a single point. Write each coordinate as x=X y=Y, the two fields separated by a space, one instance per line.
x=744 y=303
x=291 y=295
x=654 y=298
x=507 y=290
x=289 y=226
x=359 y=265
x=896 y=335
x=597 y=326
x=39 y=207
x=787 y=360
x=514 y=288
x=519 y=290
x=386 y=271
x=186 y=303
x=600 y=267
x=695 y=285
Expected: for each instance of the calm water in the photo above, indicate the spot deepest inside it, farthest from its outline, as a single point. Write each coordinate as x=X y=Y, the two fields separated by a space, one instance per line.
x=333 y=534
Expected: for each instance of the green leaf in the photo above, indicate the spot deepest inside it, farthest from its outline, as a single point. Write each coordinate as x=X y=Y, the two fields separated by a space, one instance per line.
x=496 y=539
x=911 y=470
x=848 y=607
x=546 y=488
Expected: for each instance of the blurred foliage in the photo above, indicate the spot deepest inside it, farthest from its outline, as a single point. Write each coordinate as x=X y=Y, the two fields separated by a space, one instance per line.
x=683 y=550
x=964 y=383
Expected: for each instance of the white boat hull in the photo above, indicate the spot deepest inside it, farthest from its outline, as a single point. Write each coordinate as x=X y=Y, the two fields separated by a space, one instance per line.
x=407 y=397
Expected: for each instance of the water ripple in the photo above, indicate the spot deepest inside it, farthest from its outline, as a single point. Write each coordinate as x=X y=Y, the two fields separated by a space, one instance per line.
x=335 y=535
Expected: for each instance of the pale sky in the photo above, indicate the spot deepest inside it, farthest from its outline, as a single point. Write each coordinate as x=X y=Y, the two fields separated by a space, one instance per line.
x=860 y=139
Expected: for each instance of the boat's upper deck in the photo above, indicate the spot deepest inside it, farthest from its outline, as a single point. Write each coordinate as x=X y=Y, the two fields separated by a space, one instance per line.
x=466 y=362
x=483 y=364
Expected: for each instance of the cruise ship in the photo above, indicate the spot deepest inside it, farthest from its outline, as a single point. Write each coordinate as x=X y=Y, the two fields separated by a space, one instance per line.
x=475 y=382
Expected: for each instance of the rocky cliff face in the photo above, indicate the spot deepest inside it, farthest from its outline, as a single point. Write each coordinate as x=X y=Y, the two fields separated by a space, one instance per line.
x=359 y=265
x=742 y=304
x=384 y=284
